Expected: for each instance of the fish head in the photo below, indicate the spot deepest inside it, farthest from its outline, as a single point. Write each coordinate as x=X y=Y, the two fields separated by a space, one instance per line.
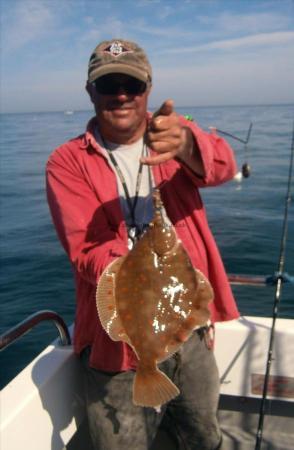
x=162 y=236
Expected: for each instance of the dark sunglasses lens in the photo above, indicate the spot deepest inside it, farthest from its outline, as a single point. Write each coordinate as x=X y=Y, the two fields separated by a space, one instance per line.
x=135 y=86
x=109 y=86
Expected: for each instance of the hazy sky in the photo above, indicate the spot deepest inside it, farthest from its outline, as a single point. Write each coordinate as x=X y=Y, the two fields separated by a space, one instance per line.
x=203 y=52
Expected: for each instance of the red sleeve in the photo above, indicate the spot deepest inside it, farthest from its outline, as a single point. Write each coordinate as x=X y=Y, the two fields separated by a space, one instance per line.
x=78 y=217
x=217 y=157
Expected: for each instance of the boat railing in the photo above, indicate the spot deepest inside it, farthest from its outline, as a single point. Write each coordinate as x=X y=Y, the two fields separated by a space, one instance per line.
x=260 y=280
x=30 y=322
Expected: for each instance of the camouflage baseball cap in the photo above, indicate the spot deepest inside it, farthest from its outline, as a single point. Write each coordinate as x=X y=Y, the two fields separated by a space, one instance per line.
x=119 y=56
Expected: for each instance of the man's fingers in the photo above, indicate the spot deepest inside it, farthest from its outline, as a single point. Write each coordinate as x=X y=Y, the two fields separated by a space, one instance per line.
x=164 y=134
x=157 y=159
x=166 y=109
x=164 y=118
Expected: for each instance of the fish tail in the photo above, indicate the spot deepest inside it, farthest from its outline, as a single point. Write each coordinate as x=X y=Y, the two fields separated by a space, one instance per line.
x=152 y=388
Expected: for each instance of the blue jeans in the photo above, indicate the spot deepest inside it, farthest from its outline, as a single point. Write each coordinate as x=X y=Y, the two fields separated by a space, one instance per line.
x=116 y=424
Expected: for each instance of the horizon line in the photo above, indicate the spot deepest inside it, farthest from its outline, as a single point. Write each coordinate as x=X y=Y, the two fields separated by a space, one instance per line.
x=64 y=111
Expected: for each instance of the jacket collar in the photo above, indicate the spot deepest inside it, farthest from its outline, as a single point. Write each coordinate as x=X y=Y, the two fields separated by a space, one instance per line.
x=89 y=136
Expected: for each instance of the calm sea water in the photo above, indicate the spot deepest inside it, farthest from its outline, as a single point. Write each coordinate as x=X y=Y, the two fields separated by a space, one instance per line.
x=246 y=217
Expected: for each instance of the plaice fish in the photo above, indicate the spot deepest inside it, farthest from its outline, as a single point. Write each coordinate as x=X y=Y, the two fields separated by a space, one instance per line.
x=153 y=299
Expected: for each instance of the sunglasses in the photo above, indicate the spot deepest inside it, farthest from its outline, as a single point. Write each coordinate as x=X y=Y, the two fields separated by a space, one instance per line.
x=108 y=85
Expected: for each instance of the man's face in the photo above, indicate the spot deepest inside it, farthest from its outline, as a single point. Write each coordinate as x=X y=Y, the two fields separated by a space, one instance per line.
x=120 y=103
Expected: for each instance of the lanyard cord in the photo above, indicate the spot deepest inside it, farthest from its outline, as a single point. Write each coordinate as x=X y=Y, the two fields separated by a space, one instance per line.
x=131 y=206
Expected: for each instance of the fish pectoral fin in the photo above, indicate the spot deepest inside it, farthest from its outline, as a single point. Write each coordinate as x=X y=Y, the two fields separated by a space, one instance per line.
x=204 y=289
x=152 y=388
x=106 y=305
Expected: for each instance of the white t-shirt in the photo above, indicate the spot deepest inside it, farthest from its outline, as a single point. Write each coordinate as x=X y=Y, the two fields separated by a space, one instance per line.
x=128 y=160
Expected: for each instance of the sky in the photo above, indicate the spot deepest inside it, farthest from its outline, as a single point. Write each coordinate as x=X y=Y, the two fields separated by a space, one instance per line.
x=203 y=52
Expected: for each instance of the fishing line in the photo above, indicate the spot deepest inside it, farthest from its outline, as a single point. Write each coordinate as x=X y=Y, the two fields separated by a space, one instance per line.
x=278 y=291
x=246 y=169
x=244 y=141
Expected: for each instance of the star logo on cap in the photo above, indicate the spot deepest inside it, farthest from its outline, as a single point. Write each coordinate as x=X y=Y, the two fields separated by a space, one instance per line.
x=116 y=49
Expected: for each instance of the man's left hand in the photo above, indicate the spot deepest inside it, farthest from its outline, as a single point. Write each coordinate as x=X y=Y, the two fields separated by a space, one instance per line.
x=166 y=136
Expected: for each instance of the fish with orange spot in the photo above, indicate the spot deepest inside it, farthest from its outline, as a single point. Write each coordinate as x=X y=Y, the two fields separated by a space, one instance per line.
x=158 y=300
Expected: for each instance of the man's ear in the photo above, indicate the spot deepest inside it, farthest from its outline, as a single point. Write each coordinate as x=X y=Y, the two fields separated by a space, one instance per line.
x=90 y=89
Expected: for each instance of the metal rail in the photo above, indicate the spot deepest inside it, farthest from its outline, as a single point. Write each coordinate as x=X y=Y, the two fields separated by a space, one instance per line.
x=30 y=322
x=41 y=316
x=247 y=280
x=260 y=280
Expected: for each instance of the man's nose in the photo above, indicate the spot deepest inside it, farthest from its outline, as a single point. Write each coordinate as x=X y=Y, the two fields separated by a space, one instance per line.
x=122 y=94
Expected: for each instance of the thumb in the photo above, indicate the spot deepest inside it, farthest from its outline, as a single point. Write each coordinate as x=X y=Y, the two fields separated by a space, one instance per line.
x=166 y=108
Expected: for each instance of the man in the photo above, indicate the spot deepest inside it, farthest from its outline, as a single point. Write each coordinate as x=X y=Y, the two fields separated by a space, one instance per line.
x=99 y=191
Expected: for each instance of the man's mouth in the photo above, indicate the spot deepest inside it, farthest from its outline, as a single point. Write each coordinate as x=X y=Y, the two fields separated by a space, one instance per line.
x=119 y=107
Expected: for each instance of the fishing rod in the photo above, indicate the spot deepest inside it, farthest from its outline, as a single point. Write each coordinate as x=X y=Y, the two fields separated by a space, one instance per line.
x=246 y=169
x=277 y=298
x=253 y=280
x=244 y=141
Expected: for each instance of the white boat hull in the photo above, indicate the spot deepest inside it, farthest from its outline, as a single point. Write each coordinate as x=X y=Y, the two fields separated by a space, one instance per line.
x=42 y=407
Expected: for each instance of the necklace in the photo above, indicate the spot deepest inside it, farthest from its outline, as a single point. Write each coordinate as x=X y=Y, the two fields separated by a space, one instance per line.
x=133 y=228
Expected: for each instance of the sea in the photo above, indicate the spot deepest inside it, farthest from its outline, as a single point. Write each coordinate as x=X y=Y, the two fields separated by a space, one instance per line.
x=246 y=217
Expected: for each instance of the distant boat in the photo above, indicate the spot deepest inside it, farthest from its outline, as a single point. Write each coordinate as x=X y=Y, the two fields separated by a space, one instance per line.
x=68 y=113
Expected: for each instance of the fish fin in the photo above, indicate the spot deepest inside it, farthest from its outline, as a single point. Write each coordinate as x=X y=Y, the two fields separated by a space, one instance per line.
x=181 y=336
x=203 y=296
x=152 y=388
x=170 y=350
x=105 y=302
x=204 y=289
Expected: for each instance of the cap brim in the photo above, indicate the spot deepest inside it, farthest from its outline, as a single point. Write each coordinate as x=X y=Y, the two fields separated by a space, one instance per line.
x=119 y=68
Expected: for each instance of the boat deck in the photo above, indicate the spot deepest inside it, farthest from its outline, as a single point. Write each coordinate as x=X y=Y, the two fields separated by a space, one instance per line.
x=239 y=433
x=45 y=401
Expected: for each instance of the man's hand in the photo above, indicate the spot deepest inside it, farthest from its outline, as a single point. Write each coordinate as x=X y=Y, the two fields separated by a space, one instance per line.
x=165 y=135
x=169 y=139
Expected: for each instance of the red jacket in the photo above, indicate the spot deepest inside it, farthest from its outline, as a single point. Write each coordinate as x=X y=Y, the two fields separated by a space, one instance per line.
x=83 y=199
